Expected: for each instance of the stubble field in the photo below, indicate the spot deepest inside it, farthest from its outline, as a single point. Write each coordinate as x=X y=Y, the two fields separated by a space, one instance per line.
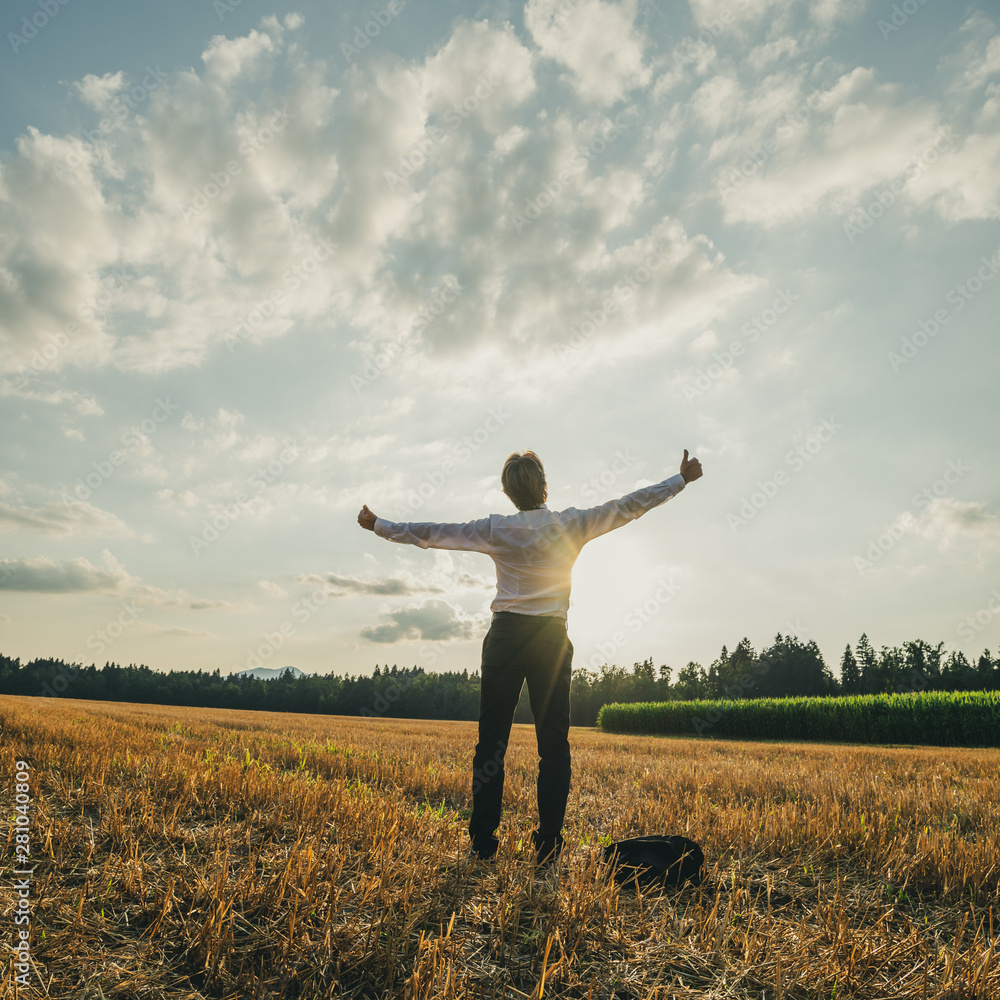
x=188 y=853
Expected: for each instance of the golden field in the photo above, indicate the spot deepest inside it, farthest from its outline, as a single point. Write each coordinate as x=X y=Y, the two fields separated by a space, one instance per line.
x=189 y=853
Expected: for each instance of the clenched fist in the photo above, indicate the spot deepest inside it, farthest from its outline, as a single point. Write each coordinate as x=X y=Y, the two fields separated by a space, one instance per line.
x=367 y=519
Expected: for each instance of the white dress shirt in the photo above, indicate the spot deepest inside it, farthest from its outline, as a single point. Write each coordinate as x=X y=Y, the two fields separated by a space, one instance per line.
x=534 y=550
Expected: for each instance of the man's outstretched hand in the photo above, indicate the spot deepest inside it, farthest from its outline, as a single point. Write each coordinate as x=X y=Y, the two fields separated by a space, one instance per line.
x=690 y=468
x=367 y=519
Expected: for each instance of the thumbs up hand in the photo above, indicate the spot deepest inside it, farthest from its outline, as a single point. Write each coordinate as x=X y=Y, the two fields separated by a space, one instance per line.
x=690 y=468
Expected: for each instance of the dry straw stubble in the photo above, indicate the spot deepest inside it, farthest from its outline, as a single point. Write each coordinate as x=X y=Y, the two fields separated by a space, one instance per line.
x=210 y=853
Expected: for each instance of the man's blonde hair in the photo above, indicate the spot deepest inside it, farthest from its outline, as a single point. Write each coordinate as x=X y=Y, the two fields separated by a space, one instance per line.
x=523 y=480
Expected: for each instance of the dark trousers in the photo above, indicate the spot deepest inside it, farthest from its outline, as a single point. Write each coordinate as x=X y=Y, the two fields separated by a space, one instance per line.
x=535 y=648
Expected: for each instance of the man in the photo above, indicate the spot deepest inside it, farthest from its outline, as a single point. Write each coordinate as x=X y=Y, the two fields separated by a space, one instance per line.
x=534 y=551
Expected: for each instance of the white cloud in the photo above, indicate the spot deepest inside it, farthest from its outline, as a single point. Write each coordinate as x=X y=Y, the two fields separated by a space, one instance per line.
x=55 y=271
x=987 y=66
x=858 y=136
x=186 y=231
x=828 y=12
x=978 y=60
x=597 y=41
x=40 y=574
x=193 y=604
x=434 y=621
x=482 y=71
x=63 y=519
x=390 y=585
x=716 y=101
x=43 y=575
x=948 y=523
x=185 y=498
x=444 y=578
x=965 y=182
x=227 y=58
x=772 y=51
x=228 y=469
x=718 y=15
x=103 y=265
x=20 y=389
x=174 y=630
x=362 y=447
x=99 y=91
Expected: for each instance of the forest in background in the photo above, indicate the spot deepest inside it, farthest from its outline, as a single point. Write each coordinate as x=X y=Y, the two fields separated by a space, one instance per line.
x=788 y=667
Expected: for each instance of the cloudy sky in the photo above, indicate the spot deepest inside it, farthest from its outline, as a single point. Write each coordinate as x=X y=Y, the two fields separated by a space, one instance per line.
x=261 y=264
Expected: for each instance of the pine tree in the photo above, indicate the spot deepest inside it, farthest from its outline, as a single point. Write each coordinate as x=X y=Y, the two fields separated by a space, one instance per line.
x=850 y=675
x=867 y=665
x=718 y=675
x=984 y=670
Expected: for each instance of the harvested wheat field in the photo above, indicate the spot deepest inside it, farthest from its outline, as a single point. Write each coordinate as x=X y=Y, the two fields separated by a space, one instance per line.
x=188 y=853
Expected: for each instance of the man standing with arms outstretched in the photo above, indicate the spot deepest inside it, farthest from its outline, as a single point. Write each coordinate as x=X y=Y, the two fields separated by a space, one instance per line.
x=534 y=551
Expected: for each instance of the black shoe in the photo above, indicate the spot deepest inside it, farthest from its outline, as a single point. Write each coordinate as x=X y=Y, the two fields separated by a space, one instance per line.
x=545 y=865
x=476 y=855
x=547 y=851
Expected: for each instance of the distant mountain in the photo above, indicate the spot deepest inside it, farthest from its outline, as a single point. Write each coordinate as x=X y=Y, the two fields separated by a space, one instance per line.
x=268 y=673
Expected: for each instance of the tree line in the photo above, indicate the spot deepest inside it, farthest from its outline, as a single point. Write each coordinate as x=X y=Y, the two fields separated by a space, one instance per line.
x=787 y=667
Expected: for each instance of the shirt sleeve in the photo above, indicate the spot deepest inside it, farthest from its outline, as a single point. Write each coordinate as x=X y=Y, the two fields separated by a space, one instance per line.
x=473 y=535
x=613 y=514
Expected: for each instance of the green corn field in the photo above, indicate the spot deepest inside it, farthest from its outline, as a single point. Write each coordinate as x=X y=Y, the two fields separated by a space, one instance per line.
x=935 y=718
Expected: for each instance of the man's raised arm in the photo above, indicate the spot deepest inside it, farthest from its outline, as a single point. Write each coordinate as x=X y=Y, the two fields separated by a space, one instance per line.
x=472 y=535
x=613 y=514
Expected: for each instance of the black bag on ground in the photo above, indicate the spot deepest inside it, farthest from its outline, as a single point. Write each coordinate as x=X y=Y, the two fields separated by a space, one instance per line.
x=656 y=860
